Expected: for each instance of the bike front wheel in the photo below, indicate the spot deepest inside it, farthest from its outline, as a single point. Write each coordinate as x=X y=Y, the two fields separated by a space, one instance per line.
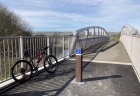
x=21 y=71
x=50 y=64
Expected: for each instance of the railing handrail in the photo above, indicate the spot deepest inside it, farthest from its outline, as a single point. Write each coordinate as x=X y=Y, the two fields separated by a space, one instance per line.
x=32 y=36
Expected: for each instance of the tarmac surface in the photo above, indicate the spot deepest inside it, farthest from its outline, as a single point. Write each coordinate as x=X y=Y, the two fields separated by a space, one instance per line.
x=99 y=79
x=114 y=52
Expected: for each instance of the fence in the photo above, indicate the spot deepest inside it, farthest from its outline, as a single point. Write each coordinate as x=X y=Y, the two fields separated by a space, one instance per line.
x=11 y=49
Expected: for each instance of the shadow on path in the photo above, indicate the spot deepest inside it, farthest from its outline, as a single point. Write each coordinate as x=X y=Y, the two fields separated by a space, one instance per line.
x=101 y=78
x=44 y=83
x=109 y=46
x=53 y=84
x=94 y=48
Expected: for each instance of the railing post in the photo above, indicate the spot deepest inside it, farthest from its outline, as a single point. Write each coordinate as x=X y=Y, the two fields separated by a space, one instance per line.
x=0 y=63
x=97 y=36
x=68 y=46
x=21 y=49
x=98 y=32
x=93 y=35
x=93 y=31
x=87 y=34
x=63 y=46
x=101 y=32
x=48 y=44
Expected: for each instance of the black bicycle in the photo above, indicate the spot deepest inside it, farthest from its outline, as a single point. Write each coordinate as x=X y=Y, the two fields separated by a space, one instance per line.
x=22 y=70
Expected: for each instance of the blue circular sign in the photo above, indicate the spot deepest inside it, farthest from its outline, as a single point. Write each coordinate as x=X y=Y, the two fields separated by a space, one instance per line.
x=78 y=51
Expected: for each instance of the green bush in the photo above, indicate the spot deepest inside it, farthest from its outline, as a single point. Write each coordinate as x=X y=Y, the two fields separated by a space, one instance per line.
x=11 y=24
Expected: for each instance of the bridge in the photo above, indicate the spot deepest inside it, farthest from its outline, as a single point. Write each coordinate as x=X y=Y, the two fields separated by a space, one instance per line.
x=110 y=68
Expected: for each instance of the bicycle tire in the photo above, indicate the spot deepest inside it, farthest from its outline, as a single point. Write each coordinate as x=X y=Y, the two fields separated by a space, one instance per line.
x=19 y=73
x=50 y=64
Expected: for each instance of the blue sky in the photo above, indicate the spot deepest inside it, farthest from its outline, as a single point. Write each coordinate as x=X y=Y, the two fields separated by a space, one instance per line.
x=70 y=15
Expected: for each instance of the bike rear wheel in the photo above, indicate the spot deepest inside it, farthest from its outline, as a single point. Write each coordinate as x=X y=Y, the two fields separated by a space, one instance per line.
x=50 y=64
x=21 y=71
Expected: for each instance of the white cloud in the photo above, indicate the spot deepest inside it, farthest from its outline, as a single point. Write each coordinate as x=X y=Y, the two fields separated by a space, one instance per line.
x=120 y=8
x=79 y=13
x=84 y=2
x=39 y=14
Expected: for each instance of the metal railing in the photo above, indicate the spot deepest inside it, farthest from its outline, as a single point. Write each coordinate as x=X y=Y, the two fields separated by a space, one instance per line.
x=131 y=43
x=90 y=36
x=11 y=48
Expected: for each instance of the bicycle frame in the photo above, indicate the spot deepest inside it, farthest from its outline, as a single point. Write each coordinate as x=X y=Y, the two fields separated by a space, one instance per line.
x=40 y=55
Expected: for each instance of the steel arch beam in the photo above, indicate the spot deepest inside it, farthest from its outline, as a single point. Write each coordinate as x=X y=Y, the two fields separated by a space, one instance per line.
x=75 y=33
x=128 y=30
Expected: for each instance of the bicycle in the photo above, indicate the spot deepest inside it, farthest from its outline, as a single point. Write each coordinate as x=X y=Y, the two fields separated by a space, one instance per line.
x=22 y=70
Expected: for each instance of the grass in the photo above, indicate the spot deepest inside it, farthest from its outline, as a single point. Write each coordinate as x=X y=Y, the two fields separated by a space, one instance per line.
x=115 y=37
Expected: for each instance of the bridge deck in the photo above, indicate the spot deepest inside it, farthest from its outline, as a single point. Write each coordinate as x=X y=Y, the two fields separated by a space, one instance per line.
x=99 y=79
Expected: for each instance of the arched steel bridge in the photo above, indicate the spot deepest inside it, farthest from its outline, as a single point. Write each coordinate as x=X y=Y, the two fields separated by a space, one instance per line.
x=11 y=48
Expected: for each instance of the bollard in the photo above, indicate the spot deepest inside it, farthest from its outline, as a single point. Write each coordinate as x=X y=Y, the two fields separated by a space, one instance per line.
x=78 y=70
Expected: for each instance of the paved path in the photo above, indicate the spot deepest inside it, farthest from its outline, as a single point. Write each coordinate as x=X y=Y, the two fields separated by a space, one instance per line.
x=99 y=79
x=114 y=52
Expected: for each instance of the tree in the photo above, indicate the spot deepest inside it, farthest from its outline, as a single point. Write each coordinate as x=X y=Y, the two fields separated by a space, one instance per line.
x=11 y=24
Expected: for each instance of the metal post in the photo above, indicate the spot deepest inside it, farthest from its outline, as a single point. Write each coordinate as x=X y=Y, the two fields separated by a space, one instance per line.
x=93 y=31
x=64 y=47
x=78 y=72
x=101 y=32
x=98 y=35
x=48 y=51
x=68 y=46
x=93 y=35
x=21 y=49
x=98 y=31
x=87 y=35
x=0 y=62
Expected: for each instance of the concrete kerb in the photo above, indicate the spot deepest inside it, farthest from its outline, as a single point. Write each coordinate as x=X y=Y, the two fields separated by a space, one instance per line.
x=106 y=62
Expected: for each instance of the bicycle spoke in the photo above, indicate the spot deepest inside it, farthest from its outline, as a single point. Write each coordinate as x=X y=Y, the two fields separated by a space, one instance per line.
x=21 y=73
x=50 y=64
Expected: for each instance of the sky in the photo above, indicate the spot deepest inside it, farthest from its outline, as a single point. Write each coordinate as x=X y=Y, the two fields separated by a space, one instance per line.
x=71 y=15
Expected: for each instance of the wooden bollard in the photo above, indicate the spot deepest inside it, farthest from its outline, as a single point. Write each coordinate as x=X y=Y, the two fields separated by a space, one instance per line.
x=78 y=69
